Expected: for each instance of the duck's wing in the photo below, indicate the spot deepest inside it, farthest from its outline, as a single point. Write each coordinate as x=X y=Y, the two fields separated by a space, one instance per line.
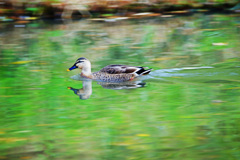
x=118 y=69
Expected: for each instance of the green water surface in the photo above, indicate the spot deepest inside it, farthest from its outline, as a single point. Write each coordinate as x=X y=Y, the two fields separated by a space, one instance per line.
x=188 y=108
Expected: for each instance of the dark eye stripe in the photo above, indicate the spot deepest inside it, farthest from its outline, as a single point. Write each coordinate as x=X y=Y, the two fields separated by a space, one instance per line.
x=82 y=59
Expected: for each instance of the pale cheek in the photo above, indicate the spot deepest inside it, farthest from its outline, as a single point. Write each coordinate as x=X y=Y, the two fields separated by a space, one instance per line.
x=79 y=66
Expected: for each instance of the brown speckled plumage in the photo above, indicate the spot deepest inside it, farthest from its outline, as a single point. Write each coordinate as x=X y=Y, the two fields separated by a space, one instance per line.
x=107 y=77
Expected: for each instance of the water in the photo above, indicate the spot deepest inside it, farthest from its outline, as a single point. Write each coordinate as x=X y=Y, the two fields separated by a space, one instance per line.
x=187 y=108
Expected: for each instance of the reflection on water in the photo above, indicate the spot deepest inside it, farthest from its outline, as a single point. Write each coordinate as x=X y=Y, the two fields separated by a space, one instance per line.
x=182 y=110
x=86 y=90
x=123 y=85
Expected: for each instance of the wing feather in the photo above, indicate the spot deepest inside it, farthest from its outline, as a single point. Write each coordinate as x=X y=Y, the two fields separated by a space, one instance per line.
x=118 y=69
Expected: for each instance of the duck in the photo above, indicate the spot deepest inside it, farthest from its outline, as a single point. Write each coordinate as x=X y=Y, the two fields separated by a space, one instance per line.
x=110 y=73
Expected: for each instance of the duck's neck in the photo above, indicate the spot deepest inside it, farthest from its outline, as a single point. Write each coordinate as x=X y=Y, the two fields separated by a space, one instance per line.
x=86 y=71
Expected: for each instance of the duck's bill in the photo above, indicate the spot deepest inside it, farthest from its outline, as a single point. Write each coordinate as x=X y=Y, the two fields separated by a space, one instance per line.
x=73 y=67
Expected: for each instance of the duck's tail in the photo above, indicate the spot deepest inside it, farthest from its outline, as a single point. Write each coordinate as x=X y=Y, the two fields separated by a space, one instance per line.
x=146 y=71
x=142 y=71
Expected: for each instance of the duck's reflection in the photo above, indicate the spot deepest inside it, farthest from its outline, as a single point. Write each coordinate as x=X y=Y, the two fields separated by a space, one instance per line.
x=86 y=91
x=123 y=85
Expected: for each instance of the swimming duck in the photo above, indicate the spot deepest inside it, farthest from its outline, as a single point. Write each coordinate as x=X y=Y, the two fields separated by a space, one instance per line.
x=110 y=73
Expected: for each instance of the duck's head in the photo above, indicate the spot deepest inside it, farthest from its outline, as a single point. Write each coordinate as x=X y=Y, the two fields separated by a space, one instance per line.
x=80 y=63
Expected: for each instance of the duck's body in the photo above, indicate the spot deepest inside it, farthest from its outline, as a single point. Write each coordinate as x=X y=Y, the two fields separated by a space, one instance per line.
x=110 y=73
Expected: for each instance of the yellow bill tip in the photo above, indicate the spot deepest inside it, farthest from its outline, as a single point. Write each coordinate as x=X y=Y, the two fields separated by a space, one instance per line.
x=68 y=70
x=68 y=87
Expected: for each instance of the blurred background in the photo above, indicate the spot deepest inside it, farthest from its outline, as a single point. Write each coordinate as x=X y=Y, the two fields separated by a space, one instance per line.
x=11 y=10
x=186 y=108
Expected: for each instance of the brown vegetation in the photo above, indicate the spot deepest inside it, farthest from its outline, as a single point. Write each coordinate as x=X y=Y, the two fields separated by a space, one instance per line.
x=19 y=10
